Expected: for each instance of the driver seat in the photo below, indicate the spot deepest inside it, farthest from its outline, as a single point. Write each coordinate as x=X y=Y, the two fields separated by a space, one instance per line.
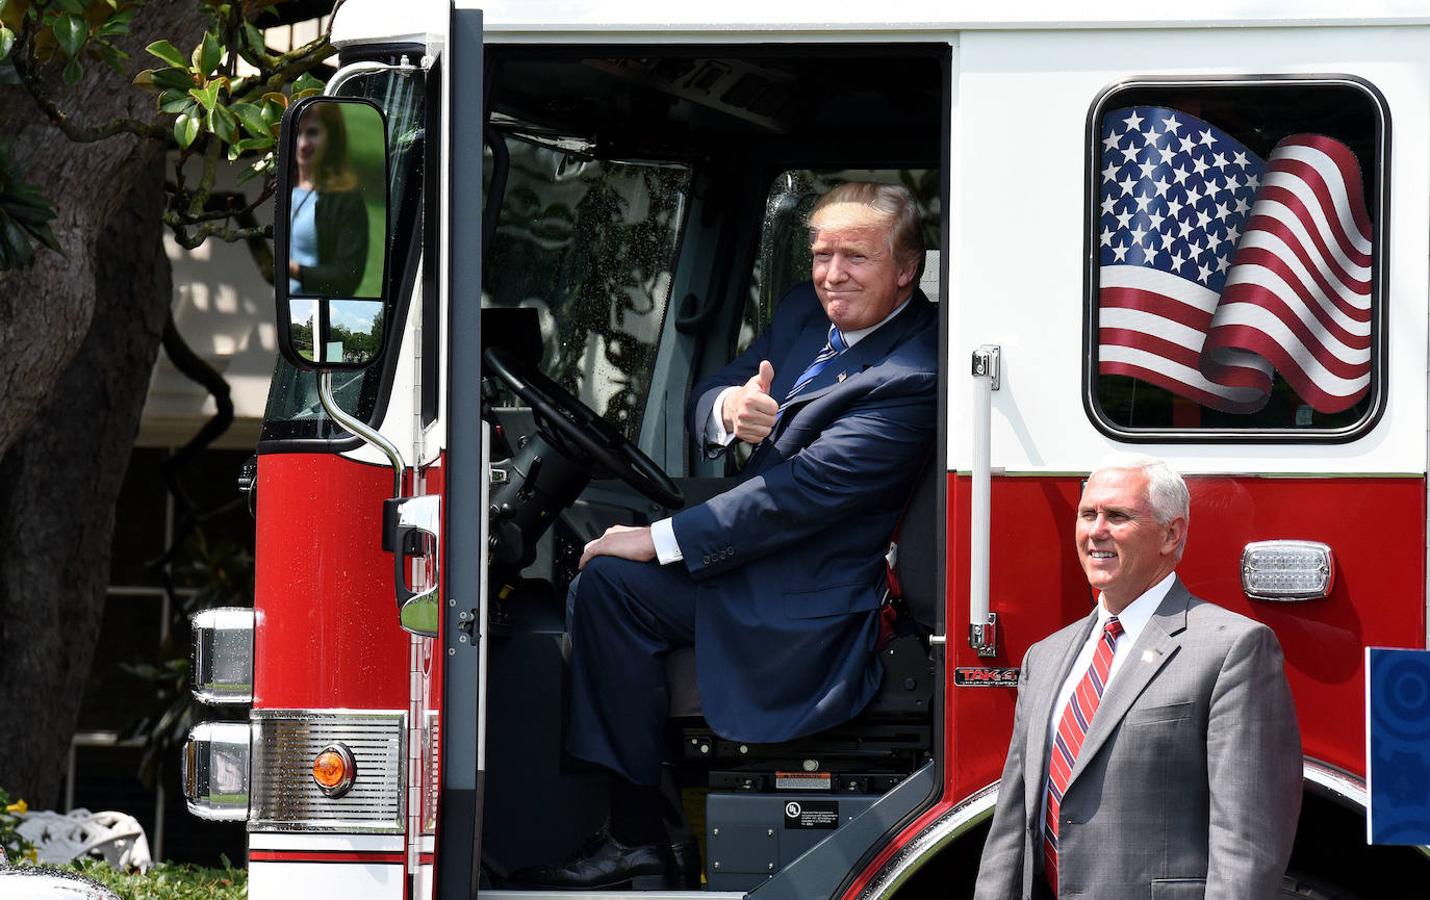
x=914 y=552
x=915 y=570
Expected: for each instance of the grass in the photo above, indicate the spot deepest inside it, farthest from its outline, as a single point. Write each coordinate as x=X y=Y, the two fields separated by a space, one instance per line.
x=168 y=881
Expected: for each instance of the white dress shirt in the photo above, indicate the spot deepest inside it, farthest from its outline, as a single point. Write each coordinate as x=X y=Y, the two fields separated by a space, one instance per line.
x=1133 y=619
x=662 y=532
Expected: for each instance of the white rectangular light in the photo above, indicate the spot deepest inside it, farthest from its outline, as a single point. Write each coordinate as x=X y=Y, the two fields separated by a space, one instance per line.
x=221 y=670
x=215 y=771
x=1287 y=570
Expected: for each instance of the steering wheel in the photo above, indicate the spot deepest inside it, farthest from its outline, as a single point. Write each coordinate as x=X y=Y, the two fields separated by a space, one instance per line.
x=580 y=429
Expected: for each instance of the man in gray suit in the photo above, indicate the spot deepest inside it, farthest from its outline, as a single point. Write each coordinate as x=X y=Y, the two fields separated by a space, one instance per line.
x=1155 y=752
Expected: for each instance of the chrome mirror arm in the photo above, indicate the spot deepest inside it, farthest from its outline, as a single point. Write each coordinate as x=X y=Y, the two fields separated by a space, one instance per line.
x=362 y=430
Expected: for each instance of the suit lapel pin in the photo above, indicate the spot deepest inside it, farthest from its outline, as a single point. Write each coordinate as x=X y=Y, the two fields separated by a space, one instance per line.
x=841 y=376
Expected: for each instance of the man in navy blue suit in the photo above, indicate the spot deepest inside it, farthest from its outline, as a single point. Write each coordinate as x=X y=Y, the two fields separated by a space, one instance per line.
x=778 y=581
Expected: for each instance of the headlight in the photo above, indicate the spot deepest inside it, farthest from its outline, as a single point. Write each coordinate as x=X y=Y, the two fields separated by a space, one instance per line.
x=216 y=771
x=222 y=655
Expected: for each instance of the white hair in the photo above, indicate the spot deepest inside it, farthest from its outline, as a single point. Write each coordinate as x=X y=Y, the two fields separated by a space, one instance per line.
x=1166 y=490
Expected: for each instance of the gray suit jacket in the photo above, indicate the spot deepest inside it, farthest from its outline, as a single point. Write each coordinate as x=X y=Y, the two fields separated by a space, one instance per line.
x=1189 y=782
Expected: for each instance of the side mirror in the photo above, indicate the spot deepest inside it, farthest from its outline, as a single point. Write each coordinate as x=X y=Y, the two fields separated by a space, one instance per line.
x=330 y=234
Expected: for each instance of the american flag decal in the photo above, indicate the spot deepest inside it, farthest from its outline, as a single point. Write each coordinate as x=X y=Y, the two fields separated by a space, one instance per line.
x=1218 y=269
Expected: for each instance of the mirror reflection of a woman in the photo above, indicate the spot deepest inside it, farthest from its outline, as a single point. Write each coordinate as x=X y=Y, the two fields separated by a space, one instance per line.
x=327 y=228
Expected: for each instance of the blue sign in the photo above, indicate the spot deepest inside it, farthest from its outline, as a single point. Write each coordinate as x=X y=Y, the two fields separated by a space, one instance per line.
x=1398 y=745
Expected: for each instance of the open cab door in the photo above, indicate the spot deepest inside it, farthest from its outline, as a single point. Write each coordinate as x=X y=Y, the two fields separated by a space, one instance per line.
x=336 y=318
x=458 y=219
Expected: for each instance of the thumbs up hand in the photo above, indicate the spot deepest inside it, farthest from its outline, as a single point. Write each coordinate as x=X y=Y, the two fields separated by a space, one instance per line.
x=749 y=411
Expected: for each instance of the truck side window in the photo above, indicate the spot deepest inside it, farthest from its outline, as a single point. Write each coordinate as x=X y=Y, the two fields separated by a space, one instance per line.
x=783 y=259
x=590 y=244
x=1236 y=276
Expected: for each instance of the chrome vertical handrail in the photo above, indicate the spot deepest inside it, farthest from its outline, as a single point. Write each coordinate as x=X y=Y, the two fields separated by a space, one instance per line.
x=983 y=624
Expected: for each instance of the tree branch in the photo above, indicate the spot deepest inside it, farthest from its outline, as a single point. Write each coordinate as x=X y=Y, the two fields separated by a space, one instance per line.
x=189 y=239
x=80 y=134
x=196 y=369
x=201 y=196
x=225 y=213
x=285 y=68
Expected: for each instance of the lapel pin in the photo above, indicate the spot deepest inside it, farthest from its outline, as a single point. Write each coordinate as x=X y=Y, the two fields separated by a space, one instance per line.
x=1149 y=656
x=841 y=376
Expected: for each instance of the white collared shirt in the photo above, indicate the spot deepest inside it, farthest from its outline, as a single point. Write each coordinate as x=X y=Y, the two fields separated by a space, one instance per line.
x=1133 y=620
x=662 y=532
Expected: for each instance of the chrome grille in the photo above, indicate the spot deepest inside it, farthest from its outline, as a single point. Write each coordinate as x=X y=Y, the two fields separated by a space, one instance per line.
x=284 y=796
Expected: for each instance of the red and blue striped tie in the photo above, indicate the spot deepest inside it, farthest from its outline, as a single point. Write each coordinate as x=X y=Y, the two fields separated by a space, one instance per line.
x=1072 y=730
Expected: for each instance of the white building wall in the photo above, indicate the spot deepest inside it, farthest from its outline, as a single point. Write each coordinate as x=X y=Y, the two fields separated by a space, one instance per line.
x=224 y=309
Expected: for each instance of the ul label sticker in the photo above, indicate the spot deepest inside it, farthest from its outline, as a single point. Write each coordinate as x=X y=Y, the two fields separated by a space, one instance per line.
x=812 y=814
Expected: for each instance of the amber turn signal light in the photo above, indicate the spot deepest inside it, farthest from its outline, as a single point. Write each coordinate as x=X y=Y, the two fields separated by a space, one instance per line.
x=334 y=770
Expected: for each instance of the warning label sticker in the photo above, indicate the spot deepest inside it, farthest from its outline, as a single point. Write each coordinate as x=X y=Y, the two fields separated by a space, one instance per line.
x=803 y=781
x=812 y=814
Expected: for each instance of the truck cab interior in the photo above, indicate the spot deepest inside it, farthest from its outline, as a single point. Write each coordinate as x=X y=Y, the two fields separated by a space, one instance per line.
x=645 y=212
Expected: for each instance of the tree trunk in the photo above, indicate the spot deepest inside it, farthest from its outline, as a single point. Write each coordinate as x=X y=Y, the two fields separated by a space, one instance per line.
x=45 y=310
x=58 y=487
x=78 y=339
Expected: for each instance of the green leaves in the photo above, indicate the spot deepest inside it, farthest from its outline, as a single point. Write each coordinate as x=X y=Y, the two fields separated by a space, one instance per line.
x=25 y=215
x=12 y=843
x=306 y=86
x=208 y=54
x=260 y=121
x=186 y=129
x=223 y=124
x=116 y=24
x=174 y=101
x=176 y=77
x=197 y=94
x=63 y=28
x=215 y=110
x=70 y=33
x=194 y=90
x=168 y=53
x=207 y=95
x=250 y=115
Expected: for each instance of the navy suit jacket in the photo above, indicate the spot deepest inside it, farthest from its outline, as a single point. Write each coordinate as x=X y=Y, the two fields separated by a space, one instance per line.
x=789 y=563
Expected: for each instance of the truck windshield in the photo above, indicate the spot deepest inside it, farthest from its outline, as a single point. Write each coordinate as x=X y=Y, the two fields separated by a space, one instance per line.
x=590 y=244
x=293 y=410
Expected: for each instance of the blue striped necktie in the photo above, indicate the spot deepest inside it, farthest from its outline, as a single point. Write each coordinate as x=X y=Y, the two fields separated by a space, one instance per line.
x=834 y=346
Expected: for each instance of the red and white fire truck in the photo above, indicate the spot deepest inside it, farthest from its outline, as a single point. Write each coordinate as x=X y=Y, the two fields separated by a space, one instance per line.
x=1194 y=231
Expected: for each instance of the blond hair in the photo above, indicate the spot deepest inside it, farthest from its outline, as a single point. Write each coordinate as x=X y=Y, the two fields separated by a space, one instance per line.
x=892 y=202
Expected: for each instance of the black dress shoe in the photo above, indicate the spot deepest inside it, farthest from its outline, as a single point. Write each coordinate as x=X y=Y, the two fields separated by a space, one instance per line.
x=686 y=860
x=604 y=862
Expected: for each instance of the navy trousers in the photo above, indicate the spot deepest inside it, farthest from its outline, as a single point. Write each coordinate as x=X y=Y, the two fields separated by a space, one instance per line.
x=623 y=619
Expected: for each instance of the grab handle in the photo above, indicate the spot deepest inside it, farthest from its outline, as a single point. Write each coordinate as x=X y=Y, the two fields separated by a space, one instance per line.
x=983 y=625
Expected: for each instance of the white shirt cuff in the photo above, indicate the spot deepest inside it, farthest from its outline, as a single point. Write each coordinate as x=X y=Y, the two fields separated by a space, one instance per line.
x=667 y=549
x=715 y=432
